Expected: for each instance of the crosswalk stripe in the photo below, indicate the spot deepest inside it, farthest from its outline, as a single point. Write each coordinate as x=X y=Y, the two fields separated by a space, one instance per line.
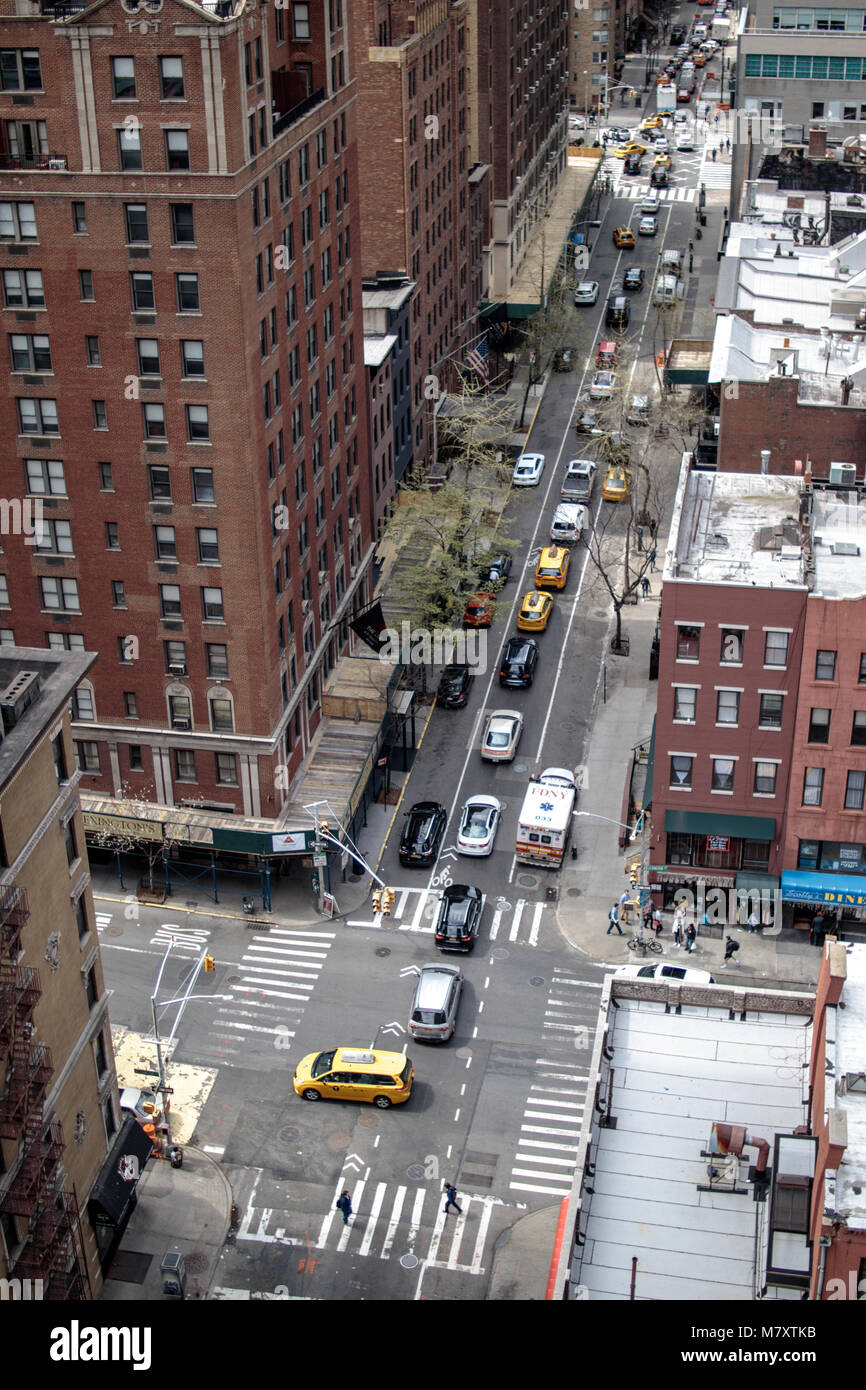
x=544 y=1144
x=518 y=913
x=375 y=1208
x=563 y=1104
x=536 y=923
x=546 y=1129
x=396 y=1209
x=532 y=1187
x=494 y=925
x=531 y=1173
x=548 y=1161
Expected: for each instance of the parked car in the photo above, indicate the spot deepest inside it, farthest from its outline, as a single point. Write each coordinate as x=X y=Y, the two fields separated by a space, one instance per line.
x=579 y=480
x=479 y=610
x=422 y=834
x=479 y=822
x=497 y=570
x=577 y=123
x=606 y=353
x=518 y=663
x=602 y=386
x=459 y=921
x=638 y=411
x=534 y=612
x=563 y=361
x=658 y=971
x=633 y=278
x=618 y=312
x=567 y=522
x=454 y=686
x=623 y=237
x=144 y=1105
x=501 y=735
x=586 y=292
x=616 y=484
x=528 y=470
x=589 y=422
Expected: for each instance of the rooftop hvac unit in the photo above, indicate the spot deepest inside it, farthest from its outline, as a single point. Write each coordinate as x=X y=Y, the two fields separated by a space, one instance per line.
x=843 y=474
x=18 y=696
x=845 y=548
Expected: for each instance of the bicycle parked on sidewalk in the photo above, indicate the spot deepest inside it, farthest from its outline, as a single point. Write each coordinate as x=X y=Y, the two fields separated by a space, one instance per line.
x=644 y=944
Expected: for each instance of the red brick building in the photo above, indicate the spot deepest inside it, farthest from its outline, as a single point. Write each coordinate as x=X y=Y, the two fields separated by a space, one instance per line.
x=181 y=277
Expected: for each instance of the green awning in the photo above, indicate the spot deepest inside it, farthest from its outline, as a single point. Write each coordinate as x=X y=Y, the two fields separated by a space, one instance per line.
x=715 y=823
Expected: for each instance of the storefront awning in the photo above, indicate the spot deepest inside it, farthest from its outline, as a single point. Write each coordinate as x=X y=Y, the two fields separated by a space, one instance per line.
x=715 y=823
x=832 y=890
x=112 y=1191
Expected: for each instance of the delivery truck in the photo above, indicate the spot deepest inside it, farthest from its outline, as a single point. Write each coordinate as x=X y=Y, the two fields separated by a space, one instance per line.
x=666 y=97
x=545 y=821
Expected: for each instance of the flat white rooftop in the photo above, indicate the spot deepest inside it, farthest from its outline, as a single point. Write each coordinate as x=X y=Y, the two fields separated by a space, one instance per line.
x=839 y=548
x=675 y=1075
x=723 y=530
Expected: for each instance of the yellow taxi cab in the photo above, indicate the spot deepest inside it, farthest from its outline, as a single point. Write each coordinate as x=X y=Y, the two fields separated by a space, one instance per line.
x=551 y=572
x=353 y=1073
x=651 y=123
x=623 y=236
x=633 y=147
x=535 y=610
x=699 y=60
x=662 y=161
x=616 y=484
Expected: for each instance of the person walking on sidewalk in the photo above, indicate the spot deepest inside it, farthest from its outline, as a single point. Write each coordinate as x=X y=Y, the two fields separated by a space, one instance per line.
x=638 y=530
x=451 y=1199
x=731 y=946
x=613 y=921
x=344 y=1204
x=658 y=924
x=691 y=937
x=653 y=525
x=645 y=587
x=652 y=559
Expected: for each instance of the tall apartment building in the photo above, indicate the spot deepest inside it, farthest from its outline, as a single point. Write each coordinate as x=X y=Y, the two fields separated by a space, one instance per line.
x=387 y=338
x=411 y=60
x=61 y=1136
x=522 y=122
x=181 y=278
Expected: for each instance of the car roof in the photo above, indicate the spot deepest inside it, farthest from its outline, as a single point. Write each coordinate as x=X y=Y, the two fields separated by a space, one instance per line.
x=519 y=644
x=461 y=890
x=424 y=808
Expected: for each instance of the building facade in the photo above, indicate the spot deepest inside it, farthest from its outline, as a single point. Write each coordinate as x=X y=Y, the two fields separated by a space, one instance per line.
x=62 y=1133
x=387 y=356
x=187 y=390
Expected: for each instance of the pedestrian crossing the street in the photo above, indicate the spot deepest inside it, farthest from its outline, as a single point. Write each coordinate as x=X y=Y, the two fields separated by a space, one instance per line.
x=554 y=1110
x=504 y=922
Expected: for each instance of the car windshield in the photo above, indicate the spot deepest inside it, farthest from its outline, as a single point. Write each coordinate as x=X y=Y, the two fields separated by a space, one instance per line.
x=323 y=1063
x=475 y=608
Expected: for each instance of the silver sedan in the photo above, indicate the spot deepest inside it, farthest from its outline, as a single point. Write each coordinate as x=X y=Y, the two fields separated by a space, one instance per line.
x=479 y=822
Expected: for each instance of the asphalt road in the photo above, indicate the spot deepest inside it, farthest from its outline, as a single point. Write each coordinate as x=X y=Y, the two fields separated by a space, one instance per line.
x=498 y=1109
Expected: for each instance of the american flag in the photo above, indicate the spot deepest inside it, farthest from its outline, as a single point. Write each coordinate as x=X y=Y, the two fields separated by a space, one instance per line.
x=478 y=359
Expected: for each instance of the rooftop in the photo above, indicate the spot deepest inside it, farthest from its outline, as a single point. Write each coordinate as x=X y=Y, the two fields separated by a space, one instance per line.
x=376 y=349
x=32 y=705
x=767 y=272
x=736 y=528
x=820 y=361
x=839 y=545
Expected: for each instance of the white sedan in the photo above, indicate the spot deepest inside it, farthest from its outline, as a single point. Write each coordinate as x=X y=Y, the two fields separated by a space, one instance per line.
x=586 y=292
x=528 y=470
x=501 y=735
x=479 y=822
x=602 y=385
x=660 y=143
x=665 y=972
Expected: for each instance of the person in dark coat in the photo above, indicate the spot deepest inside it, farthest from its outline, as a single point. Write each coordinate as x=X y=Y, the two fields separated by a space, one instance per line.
x=816 y=930
x=344 y=1204
x=451 y=1199
x=731 y=946
x=691 y=937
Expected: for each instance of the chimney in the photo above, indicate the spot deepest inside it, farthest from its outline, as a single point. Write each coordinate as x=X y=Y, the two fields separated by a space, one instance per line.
x=817 y=143
x=765 y=460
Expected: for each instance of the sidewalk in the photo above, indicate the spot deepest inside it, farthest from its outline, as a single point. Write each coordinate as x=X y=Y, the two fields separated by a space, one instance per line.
x=185 y=1210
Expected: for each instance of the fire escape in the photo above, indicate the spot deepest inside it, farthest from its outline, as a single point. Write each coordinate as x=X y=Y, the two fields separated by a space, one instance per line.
x=32 y=1190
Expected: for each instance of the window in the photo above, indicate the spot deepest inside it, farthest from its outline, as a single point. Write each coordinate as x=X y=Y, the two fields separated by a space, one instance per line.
x=208 y=546
x=681 y=770
x=91 y=346
x=177 y=149
x=82 y=704
x=825 y=666
x=23 y=289
x=776 y=649
x=184 y=765
x=136 y=223
x=202 y=485
x=221 y=717
x=19 y=70
x=135 y=760
x=106 y=477
x=727 y=706
x=141 y=284
x=59 y=754
x=79 y=219
x=159 y=479
x=123 y=78
x=197 y=424
x=112 y=536
x=165 y=545
x=65 y=641
x=30 y=352
x=819 y=726
x=129 y=147
x=813 y=786
x=300 y=21
x=118 y=593
x=212 y=605
x=147 y=350
x=85 y=285
x=100 y=417
x=770 y=716
x=18 y=221
x=217 y=660
x=87 y=756
x=192 y=356
x=187 y=294
x=723 y=775
x=688 y=642
x=45 y=476
x=169 y=601
x=153 y=416
x=226 y=763
x=182 y=226
x=37 y=416
x=732 y=647
x=765 y=778
x=854 y=791
x=858 y=729
x=171 y=78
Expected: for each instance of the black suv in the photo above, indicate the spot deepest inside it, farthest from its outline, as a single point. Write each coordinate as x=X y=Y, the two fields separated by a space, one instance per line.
x=633 y=278
x=422 y=834
x=454 y=685
x=678 y=33
x=632 y=163
x=519 y=661
x=659 y=178
x=459 y=920
x=497 y=570
x=618 y=313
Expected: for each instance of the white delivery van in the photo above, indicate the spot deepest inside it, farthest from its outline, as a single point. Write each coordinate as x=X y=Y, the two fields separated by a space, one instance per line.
x=668 y=289
x=544 y=824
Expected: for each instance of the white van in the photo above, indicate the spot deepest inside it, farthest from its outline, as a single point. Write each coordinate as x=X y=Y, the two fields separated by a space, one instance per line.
x=568 y=522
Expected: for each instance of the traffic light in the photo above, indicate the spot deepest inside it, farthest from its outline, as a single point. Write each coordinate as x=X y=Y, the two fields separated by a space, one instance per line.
x=208 y=965
x=324 y=829
x=388 y=897
x=633 y=875
x=377 y=901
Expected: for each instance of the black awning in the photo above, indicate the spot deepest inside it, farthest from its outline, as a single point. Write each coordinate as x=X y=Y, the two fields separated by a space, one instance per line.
x=112 y=1192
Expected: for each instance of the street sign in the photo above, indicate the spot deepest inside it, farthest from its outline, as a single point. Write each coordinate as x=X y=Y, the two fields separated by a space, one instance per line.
x=320 y=861
x=329 y=904
x=145 y=1071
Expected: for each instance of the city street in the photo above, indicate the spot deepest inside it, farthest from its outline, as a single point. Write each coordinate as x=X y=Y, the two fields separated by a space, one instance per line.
x=498 y=1109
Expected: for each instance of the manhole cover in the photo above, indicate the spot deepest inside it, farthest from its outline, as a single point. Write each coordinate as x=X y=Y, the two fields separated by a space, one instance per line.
x=232 y=979
x=519 y=767
x=289 y=1135
x=368 y=1121
x=409 y=1261
x=527 y=880
x=574 y=892
x=499 y=953
x=383 y=950
x=462 y=1052
x=568 y=725
x=114 y=931
x=417 y=1172
x=536 y=980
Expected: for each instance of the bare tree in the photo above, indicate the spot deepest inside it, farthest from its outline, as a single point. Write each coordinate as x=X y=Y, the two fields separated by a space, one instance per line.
x=123 y=840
